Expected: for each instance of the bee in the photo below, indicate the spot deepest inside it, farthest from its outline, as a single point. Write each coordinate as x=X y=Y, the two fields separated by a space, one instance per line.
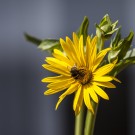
x=77 y=73
x=81 y=74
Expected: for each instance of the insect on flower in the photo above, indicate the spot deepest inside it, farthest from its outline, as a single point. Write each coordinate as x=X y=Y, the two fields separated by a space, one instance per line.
x=81 y=74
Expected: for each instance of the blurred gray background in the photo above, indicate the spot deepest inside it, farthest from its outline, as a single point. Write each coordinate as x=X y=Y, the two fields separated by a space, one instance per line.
x=24 y=110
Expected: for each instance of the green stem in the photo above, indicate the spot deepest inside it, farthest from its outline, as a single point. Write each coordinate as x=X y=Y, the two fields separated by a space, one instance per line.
x=79 y=121
x=101 y=43
x=90 y=120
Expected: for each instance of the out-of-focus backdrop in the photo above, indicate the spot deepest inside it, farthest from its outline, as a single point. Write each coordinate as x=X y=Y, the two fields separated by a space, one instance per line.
x=24 y=110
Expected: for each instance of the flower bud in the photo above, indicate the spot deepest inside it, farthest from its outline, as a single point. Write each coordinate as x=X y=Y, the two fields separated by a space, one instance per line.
x=106 y=28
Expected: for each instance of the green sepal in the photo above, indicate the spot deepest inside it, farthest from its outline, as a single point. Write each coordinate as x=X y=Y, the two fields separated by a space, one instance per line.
x=109 y=34
x=106 y=21
x=116 y=39
x=114 y=25
x=99 y=31
x=49 y=44
x=32 y=39
x=83 y=29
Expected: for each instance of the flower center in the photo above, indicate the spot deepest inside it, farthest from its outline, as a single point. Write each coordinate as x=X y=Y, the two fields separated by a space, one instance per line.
x=82 y=74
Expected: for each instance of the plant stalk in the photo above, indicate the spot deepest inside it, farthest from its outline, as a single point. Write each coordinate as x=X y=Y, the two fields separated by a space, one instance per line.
x=90 y=120
x=79 y=121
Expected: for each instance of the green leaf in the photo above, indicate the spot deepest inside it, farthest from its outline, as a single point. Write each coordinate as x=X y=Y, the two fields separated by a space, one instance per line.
x=113 y=55
x=49 y=44
x=32 y=39
x=128 y=60
x=122 y=65
x=126 y=45
x=120 y=46
x=130 y=53
x=116 y=39
x=83 y=29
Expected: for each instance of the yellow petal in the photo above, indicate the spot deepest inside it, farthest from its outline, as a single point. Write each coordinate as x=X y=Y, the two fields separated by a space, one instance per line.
x=87 y=100
x=117 y=80
x=57 y=63
x=94 y=51
x=94 y=40
x=55 y=78
x=93 y=94
x=91 y=52
x=76 y=98
x=100 y=57
x=56 y=87
x=102 y=78
x=62 y=84
x=59 y=52
x=59 y=55
x=71 y=89
x=105 y=84
x=104 y=69
x=55 y=70
x=67 y=50
x=100 y=92
x=103 y=53
x=88 y=51
x=75 y=39
x=81 y=50
x=51 y=91
x=74 y=51
x=76 y=43
x=59 y=101
x=79 y=104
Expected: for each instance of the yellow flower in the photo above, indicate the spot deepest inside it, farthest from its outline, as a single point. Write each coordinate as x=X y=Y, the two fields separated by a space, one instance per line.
x=79 y=72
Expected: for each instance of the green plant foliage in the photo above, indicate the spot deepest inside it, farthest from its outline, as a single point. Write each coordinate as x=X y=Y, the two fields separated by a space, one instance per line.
x=83 y=29
x=32 y=39
x=49 y=44
x=106 y=28
x=120 y=46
